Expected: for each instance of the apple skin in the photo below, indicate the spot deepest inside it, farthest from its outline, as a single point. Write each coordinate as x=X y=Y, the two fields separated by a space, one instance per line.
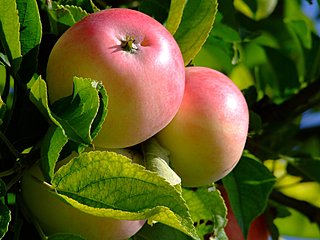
x=207 y=136
x=145 y=85
x=56 y=216
x=258 y=229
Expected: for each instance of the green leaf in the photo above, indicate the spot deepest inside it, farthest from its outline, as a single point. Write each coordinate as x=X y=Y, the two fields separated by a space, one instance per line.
x=3 y=109
x=156 y=159
x=175 y=15
x=207 y=210
x=39 y=97
x=30 y=37
x=248 y=186
x=196 y=23
x=9 y=32
x=64 y=16
x=86 y=5
x=77 y=113
x=308 y=167
x=5 y=218
x=107 y=184
x=52 y=144
x=159 y=231
x=5 y=215
x=65 y=236
x=302 y=31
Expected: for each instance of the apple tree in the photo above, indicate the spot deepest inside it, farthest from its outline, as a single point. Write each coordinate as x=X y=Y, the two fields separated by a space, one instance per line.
x=56 y=183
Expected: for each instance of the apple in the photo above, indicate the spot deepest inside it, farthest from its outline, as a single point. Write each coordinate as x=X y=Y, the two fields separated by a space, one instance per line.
x=138 y=62
x=207 y=136
x=258 y=229
x=56 y=216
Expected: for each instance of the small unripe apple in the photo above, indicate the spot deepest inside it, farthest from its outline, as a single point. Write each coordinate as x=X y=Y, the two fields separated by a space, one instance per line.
x=56 y=216
x=207 y=136
x=258 y=229
x=138 y=62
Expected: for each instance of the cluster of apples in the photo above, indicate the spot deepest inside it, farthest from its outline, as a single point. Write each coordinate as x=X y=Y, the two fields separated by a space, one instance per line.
x=197 y=113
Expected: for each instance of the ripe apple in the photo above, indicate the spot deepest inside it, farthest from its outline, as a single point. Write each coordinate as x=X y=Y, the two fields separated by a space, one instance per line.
x=56 y=216
x=207 y=136
x=258 y=229
x=137 y=60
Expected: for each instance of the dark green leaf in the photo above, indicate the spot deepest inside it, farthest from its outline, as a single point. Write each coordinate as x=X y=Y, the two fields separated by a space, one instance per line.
x=285 y=71
x=77 y=113
x=107 y=184
x=175 y=15
x=9 y=32
x=158 y=9
x=196 y=23
x=207 y=210
x=52 y=145
x=65 y=236
x=159 y=231
x=248 y=186
x=302 y=31
x=307 y=167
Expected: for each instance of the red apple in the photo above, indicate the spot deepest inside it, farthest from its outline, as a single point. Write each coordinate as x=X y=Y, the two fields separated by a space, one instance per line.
x=56 y=216
x=207 y=136
x=258 y=229
x=137 y=60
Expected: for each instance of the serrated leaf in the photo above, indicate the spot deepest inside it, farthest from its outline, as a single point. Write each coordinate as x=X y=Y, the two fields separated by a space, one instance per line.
x=5 y=218
x=30 y=37
x=248 y=186
x=175 y=15
x=207 y=210
x=77 y=113
x=9 y=32
x=64 y=16
x=65 y=236
x=86 y=5
x=52 y=144
x=107 y=184
x=196 y=23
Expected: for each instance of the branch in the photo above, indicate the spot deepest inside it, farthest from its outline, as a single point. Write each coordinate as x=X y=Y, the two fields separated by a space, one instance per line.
x=310 y=211
x=305 y=99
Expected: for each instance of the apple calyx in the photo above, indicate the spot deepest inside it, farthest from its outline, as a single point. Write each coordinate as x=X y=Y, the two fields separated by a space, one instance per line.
x=129 y=45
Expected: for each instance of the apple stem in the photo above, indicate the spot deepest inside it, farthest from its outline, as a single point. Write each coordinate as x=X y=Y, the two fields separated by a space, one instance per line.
x=128 y=44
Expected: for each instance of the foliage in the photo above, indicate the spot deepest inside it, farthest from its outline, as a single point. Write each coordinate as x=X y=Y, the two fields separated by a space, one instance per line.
x=272 y=54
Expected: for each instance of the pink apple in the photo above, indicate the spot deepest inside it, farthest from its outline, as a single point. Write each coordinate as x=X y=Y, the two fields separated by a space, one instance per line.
x=207 y=136
x=138 y=62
